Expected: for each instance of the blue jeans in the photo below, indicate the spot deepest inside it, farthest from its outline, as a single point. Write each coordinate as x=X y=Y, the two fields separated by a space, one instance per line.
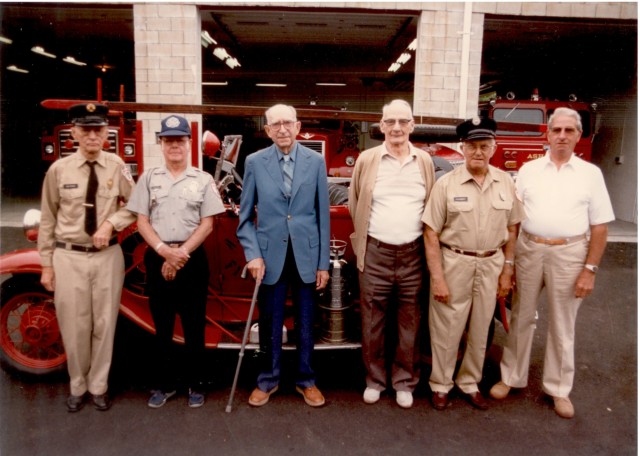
x=271 y=303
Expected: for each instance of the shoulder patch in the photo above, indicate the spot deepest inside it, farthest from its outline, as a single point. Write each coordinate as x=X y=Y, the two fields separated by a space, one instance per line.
x=125 y=172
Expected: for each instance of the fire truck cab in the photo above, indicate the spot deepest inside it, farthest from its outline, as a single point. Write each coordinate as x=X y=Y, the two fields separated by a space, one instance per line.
x=516 y=148
x=125 y=140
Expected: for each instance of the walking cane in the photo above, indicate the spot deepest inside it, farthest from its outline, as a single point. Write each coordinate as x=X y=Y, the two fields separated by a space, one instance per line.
x=244 y=339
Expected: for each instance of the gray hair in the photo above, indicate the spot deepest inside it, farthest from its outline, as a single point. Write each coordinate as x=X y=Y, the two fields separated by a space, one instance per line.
x=269 y=111
x=397 y=101
x=565 y=112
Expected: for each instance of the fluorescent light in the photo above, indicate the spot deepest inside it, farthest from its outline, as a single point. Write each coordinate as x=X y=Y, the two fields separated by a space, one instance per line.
x=40 y=50
x=5 y=40
x=215 y=83
x=413 y=45
x=269 y=84
x=221 y=53
x=73 y=61
x=404 y=57
x=331 y=84
x=232 y=62
x=394 y=67
x=16 y=69
x=206 y=39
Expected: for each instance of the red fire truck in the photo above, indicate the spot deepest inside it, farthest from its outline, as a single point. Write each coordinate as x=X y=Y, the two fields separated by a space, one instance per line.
x=518 y=147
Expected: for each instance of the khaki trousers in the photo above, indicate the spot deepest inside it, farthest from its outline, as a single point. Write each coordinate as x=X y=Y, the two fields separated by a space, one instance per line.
x=87 y=300
x=473 y=284
x=556 y=269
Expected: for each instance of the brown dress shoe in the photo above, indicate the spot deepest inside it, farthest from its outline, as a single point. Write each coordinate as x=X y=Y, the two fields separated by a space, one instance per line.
x=312 y=395
x=258 y=397
x=563 y=407
x=500 y=390
x=440 y=400
x=101 y=402
x=476 y=400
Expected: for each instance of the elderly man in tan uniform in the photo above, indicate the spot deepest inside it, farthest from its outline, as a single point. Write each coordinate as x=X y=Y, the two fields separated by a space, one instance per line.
x=390 y=187
x=471 y=223
x=82 y=262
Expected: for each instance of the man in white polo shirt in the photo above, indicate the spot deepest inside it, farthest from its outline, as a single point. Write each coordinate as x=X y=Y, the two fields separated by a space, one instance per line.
x=388 y=193
x=564 y=199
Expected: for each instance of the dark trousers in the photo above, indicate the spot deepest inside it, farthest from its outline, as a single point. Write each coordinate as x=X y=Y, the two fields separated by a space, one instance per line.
x=185 y=296
x=271 y=303
x=391 y=283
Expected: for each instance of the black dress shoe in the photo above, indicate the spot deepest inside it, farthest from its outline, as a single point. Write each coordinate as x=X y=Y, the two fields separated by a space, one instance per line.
x=101 y=402
x=476 y=400
x=75 y=403
x=439 y=400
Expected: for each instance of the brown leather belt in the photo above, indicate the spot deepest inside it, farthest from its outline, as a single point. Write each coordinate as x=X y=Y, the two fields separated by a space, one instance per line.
x=549 y=241
x=82 y=247
x=384 y=245
x=473 y=253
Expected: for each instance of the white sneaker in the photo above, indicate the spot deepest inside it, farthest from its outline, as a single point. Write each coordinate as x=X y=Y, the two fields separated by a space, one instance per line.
x=371 y=395
x=404 y=399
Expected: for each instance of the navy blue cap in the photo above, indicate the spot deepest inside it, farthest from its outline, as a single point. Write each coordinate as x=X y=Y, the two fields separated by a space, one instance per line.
x=477 y=128
x=175 y=126
x=89 y=115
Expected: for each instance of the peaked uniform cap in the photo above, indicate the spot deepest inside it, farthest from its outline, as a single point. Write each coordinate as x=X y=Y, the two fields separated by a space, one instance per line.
x=477 y=128
x=89 y=115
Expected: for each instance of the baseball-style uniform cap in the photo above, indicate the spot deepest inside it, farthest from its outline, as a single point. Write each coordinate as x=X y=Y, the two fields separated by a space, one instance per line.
x=89 y=115
x=175 y=126
x=477 y=128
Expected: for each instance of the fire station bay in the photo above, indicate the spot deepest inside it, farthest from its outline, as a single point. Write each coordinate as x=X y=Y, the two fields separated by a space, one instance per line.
x=512 y=61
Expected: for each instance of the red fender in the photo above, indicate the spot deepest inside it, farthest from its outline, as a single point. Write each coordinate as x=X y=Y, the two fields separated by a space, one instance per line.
x=24 y=261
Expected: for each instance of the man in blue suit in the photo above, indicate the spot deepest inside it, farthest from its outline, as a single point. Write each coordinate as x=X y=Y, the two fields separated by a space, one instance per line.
x=284 y=231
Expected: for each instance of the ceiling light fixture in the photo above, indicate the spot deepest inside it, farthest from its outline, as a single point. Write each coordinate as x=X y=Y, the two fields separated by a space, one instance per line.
x=215 y=83
x=16 y=69
x=206 y=39
x=331 y=84
x=221 y=53
x=6 y=40
x=73 y=61
x=232 y=62
x=40 y=50
x=269 y=84
x=404 y=57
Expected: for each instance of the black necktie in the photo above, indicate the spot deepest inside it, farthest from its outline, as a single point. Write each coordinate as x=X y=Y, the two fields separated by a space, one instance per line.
x=90 y=217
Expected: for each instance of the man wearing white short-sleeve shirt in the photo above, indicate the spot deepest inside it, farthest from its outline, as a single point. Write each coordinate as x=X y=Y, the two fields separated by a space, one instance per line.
x=565 y=198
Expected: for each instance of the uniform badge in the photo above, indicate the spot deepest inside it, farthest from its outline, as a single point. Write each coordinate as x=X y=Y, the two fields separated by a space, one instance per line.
x=460 y=198
x=110 y=184
x=172 y=122
x=126 y=173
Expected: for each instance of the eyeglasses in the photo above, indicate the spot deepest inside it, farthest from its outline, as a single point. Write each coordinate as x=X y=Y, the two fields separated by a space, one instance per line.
x=288 y=124
x=392 y=122
x=485 y=148
x=179 y=141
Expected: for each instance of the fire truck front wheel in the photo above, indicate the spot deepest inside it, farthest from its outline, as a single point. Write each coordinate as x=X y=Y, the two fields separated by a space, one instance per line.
x=30 y=340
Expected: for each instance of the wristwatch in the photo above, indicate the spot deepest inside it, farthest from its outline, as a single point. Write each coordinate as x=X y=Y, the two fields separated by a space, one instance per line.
x=592 y=267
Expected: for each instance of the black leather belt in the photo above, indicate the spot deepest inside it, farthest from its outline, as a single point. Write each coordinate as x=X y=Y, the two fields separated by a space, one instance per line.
x=82 y=247
x=473 y=253
x=384 y=245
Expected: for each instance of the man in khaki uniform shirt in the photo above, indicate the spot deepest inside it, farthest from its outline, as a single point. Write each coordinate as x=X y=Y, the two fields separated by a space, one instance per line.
x=85 y=270
x=471 y=223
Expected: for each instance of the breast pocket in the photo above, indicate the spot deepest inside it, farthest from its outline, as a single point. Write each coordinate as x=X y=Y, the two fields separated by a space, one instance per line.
x=72 y=200
x=158 y=200
x=500 y=211
x=460 y=216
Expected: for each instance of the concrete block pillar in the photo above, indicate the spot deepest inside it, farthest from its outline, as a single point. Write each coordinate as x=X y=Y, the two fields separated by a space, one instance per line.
x=448 y=59
x=168 y=61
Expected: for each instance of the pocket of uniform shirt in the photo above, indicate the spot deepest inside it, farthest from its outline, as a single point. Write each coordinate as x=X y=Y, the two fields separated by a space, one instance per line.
x=460 y=206
x=108 y=193
x=192 y=199
x=71 y=193
x=502 y=205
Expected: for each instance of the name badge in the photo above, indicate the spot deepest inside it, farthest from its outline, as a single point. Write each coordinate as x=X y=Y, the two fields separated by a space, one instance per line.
x=460 y=198
x=70 y=186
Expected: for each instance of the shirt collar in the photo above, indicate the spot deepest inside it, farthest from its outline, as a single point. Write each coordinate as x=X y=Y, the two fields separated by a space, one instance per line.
x=292 y=154
x=570 y=164
x=412 y=151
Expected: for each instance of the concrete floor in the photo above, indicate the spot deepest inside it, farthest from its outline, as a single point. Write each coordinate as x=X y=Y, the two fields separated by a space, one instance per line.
x=34 y=420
